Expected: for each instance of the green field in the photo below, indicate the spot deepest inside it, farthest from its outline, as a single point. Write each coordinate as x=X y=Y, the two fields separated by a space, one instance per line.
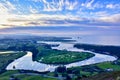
x=115 y=75
x=19 y=76
x=108 y=65
x=62 y=57
x=6 y=58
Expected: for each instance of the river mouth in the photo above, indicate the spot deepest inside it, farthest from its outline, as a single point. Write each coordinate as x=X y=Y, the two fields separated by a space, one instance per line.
x=26 y=63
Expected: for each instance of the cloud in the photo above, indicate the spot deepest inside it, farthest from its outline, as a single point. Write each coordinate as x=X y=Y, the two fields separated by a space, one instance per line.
x=89 y=4
x=63 y=20
x=58 y=13
x=111 y=19
x=101 y=18
x=5 y=12
x=71 y=5
x=58 y=5
x=53 y=5
x=100 y=14
x=112 y=6
x=33 y=10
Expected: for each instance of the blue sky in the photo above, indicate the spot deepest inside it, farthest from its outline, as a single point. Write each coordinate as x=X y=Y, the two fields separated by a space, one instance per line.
x=103 y=14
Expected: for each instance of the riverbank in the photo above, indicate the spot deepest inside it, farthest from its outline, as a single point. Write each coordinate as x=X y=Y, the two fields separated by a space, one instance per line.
x=7 y=57
x=108 y=50
x=41 y=67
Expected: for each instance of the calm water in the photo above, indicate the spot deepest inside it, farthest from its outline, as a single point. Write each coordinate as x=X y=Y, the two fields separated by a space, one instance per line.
x=26 y=62
x=100 y=40
x=91 y=35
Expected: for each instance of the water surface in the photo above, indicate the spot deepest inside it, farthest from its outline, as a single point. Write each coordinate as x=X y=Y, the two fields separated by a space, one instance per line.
x=26 y=62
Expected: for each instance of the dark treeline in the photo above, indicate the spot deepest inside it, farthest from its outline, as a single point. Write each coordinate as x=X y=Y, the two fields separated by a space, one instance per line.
x=16 y=45
x=112 y=50
x=32 y=71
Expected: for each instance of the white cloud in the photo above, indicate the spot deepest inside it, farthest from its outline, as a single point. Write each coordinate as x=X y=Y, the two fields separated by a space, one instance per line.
x=49 y=6
x=33 y=10
x=109 y=6
x=113 y=6
x=59 y=5
x=71 y=5
x=5 y=12
x=99 y=14
x=58 y=20
x=88 y=4
x=11 y=6
x=8 y=19
x=111 y=19
x=92 y=4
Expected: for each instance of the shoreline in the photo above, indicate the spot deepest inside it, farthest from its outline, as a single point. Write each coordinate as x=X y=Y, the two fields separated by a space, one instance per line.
x=41 y=67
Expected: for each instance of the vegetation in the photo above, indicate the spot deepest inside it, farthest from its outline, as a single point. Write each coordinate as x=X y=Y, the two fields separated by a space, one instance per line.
x=6 y=58
x=50 y=56
x=65 y=57
x=44 y=53
x=90 y=71
x=111 y=50
x=31 y=77
x=109 y=66
x=16 y=75
x=115 y=75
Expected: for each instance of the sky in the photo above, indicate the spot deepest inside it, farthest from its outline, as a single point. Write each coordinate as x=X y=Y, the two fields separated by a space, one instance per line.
x=88 y=14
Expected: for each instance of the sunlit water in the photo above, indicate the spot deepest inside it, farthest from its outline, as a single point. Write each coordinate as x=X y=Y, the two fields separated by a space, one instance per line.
x=5 y=52
x=26 y=62
x=91 y=35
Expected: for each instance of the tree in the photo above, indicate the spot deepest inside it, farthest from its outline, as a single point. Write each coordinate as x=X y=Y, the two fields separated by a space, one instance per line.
x=61 y=69
x=14 y=67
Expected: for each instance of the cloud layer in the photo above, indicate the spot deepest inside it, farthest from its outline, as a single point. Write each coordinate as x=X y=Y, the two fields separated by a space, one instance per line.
x=82 y=13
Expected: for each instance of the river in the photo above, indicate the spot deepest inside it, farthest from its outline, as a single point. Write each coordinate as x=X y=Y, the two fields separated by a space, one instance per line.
x=26 y=62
